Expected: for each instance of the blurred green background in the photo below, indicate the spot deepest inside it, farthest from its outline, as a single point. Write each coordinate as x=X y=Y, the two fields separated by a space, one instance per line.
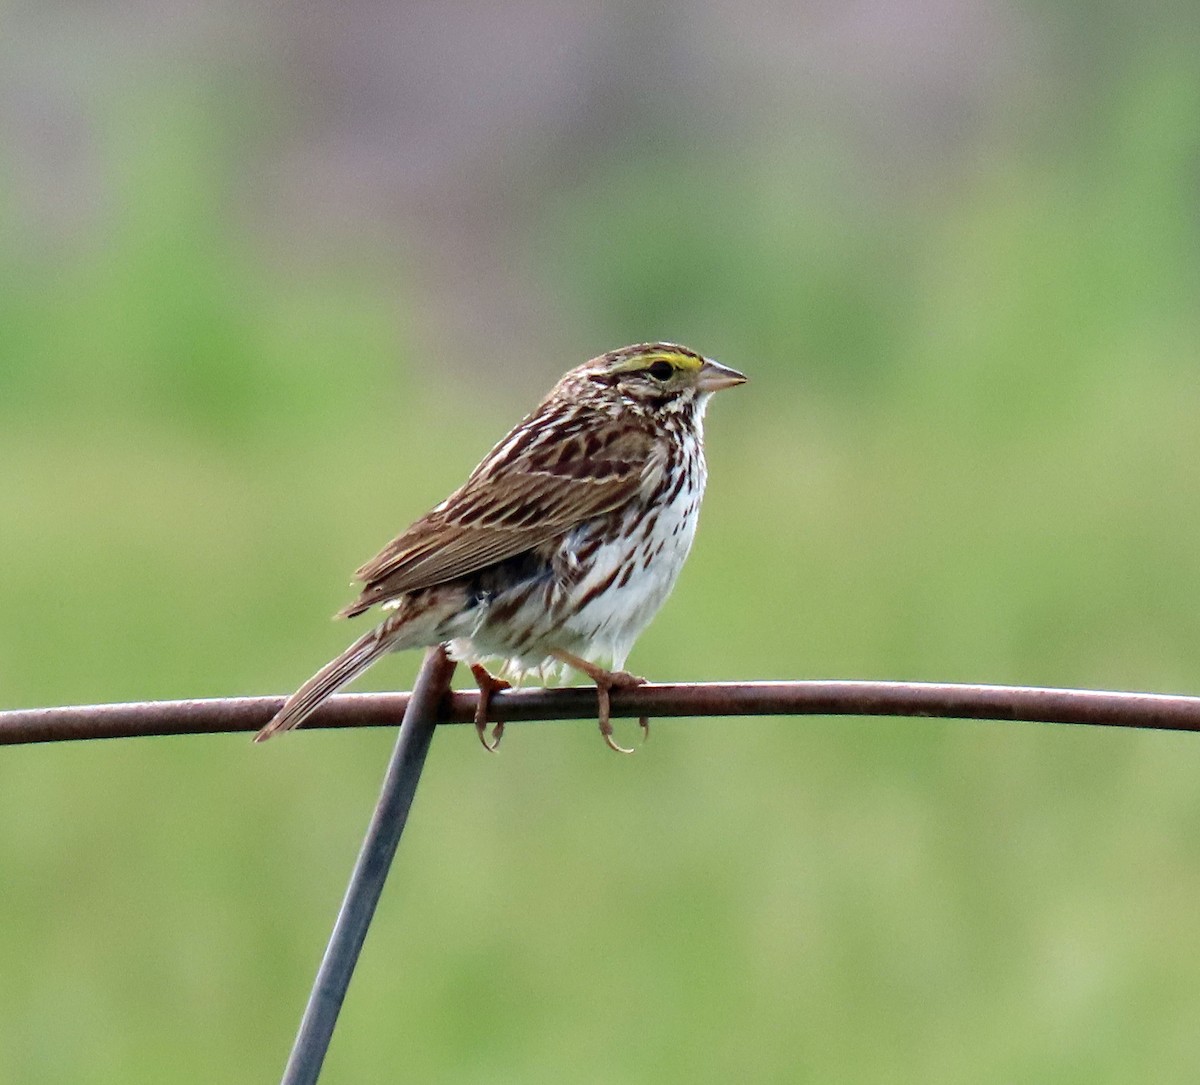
x=272 y=279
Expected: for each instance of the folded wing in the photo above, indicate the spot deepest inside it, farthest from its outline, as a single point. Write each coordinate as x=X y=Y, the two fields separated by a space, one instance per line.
x=534 y=486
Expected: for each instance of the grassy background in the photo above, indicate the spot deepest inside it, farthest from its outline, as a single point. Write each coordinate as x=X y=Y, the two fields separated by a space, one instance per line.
x=968 y=452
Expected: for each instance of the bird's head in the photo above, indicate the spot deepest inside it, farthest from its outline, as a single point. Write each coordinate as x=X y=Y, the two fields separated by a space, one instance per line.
x=657 y=377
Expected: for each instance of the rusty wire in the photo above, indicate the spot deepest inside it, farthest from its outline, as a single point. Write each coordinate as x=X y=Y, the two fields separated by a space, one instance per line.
x=944 y=700
x=432 y=702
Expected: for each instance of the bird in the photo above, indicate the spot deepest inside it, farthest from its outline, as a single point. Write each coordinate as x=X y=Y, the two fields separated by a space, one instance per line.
x=559 y=548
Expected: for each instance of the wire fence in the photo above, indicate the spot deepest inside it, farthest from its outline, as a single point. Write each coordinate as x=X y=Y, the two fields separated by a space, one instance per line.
x=1155 y=711
x=432 y=702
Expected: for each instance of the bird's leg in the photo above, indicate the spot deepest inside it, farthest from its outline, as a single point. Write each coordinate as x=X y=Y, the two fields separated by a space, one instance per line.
x=606 y=681
x=488 y=684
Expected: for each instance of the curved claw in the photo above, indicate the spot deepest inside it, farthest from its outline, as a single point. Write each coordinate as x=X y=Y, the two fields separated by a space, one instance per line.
x=481 y=731
x=613 y=745
x=644 y=724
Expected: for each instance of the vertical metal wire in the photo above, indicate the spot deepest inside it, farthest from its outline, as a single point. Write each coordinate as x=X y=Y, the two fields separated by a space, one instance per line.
x=370 y=871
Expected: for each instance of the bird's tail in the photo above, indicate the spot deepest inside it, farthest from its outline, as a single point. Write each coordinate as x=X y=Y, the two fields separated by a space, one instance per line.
x=330 y=678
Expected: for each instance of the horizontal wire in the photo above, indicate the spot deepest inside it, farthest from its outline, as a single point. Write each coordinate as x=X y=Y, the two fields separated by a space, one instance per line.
x=836 y=698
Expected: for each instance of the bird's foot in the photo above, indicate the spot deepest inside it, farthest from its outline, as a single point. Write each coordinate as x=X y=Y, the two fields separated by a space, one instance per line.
x=605 y=682
x=488 y=685
x=610 y=680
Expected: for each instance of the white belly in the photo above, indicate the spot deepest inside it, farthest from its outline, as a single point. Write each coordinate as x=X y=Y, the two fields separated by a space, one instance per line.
x=613 y=620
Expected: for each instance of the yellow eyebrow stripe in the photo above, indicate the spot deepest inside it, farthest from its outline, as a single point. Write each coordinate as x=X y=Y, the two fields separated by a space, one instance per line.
x=688 y=363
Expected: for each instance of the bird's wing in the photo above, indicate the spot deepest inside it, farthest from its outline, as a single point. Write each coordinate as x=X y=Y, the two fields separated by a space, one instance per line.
x=533 y=486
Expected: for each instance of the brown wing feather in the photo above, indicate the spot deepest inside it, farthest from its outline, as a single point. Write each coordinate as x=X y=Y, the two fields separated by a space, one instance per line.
x=536 y=484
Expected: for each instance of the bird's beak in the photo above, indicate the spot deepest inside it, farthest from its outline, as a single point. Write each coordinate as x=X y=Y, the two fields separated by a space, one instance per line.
x=714 y=376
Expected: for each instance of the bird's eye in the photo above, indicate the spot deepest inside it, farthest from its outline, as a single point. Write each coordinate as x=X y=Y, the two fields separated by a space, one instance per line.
x=661 y=371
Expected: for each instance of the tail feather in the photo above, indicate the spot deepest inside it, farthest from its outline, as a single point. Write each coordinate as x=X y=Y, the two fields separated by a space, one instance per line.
x=335 y=674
